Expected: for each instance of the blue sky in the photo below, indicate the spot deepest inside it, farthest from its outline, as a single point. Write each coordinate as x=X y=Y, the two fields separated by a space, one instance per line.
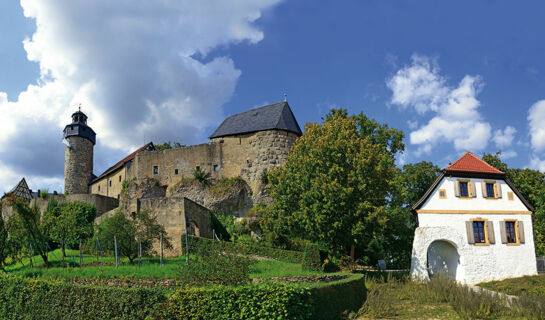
x=454 y=76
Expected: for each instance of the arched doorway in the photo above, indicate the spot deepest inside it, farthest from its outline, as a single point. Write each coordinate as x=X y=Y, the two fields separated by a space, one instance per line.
x=443 y=257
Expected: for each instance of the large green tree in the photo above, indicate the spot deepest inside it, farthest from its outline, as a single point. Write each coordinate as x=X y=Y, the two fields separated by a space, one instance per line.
x=334 y=186
x=68 y=222
x=127 y=231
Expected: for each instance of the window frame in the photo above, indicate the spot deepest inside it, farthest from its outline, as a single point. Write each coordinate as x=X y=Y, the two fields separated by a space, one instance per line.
x=443 y=192
x=466 y=189
x=510 y=196
x=491 y=185
x=516 y=227
x=485 y=231
x=155 y=170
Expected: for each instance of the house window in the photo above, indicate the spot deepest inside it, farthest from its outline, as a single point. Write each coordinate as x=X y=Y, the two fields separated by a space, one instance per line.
x=463 y=189
x=510 y=232
x=215 y=168
x=442 y=194
x=510 y=196
x=490 y=190
x=175 y=171
x=478 y=232
x=155 y=170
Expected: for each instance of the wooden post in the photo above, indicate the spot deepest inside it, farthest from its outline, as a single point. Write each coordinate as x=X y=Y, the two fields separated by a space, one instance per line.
x=80 y=254
x=116 y=259
x=161 y=245
x=139 y=251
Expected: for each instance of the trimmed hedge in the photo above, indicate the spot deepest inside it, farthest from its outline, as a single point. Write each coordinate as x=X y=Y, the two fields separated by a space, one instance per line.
x=311 y=258
x=252 y=248
x=331 y=300
x=22 y=298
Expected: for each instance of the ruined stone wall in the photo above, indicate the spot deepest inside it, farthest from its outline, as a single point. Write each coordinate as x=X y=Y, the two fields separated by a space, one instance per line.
x=172 y=213
x=101 y=203
x=78 y=165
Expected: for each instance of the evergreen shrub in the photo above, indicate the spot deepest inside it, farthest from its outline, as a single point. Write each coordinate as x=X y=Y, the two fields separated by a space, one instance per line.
x=311 y=258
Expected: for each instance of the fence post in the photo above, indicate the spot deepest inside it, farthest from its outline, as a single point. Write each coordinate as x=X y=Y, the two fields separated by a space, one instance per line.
x=187 y=248
x=139 y=251
x=80 y=254
x=161 y=245
x=116 y=259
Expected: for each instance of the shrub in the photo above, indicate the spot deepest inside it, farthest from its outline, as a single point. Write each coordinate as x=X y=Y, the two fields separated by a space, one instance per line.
x=252 y=248
x=201 y=175
x=331 y=300
x=44 y=193
x=311 y=258
x=265 y=177
x=39 y=299
x=214 y=263
x=227 y=186
x=330 y=266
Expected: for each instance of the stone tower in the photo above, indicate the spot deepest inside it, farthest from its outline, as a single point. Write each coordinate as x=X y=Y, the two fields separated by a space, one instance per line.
x=78 y=161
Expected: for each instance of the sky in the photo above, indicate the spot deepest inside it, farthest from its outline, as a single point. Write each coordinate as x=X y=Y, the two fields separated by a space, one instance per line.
x=455 y=76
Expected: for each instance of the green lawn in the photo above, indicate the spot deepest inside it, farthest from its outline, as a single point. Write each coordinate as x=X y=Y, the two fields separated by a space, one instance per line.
x=530 y=285
x=150 y=268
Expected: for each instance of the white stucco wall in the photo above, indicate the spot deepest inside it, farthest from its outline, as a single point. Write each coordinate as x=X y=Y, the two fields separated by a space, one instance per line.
x=477 y=263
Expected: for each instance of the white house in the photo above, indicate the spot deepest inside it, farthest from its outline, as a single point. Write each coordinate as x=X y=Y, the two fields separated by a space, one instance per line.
x=473 y=224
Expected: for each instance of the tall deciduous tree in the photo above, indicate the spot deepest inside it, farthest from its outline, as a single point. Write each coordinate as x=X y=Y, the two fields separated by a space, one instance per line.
x=68 y=222
x=334 y=186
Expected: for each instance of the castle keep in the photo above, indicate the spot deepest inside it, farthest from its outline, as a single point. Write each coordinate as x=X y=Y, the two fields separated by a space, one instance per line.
x=240 y=151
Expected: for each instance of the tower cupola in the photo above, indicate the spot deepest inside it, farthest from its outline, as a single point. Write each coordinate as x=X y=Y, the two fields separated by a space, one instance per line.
x=79 y=128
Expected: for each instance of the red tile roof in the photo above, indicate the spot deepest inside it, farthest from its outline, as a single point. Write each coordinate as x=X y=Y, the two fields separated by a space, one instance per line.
x=471 y=163
x=122 y=162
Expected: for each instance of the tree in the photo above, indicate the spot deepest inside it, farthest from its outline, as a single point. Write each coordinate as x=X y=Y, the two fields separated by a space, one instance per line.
x=334 y=185
x=24 y=229
x=126 y=230
x=168 y=145
x=3 y=242
x=68 y=222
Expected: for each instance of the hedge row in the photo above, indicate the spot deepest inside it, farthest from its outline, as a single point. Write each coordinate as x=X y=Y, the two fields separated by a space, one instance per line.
x=22 y=298
x=255 y=249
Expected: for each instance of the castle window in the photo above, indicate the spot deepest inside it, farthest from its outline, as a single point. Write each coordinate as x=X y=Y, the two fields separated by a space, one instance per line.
x=110 y=183
x=175 y=171
x=510 y=232
x=478 y=231
x=239 y=140
x=463 y=189
x=98 y=188
x=215 y=168
x=155 y=170
x=198 y=168
x=119 y=178
x=490 y=190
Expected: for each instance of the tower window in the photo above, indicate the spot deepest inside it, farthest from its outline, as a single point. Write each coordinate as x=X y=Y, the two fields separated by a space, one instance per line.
x=215 y=168
x=155 y=170
x=175 y=171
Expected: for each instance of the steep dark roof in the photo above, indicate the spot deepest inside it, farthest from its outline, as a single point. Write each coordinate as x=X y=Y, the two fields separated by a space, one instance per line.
x=20 y=191
x=274 y=116
x=148 y=146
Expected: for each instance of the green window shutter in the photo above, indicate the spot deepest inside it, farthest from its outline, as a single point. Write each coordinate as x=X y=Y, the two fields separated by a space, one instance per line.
x=521 y=231
x=503 y=233
x=491 y=236
x=470 y=234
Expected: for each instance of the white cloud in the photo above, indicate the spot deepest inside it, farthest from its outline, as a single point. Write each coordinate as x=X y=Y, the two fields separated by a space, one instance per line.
x=508 y=154
x=456 y=116
x=142 y=71
x=504 y=138
x=537 y=164
x=536 y=119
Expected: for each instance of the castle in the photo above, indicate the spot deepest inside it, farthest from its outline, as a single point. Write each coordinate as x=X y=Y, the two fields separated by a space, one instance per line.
x=245 y=145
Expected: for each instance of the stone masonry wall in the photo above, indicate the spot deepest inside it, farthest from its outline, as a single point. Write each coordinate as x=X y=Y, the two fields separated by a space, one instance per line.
x=101 y=203
x=78 y=165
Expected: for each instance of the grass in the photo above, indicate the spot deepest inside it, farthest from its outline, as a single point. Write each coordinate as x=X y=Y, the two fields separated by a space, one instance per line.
x=150 y=268
x=441 y=298
x=528 y=285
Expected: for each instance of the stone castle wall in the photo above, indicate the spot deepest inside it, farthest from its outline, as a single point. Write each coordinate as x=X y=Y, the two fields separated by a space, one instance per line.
x=78 y=166
x=247 y=156
x=112 y=185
